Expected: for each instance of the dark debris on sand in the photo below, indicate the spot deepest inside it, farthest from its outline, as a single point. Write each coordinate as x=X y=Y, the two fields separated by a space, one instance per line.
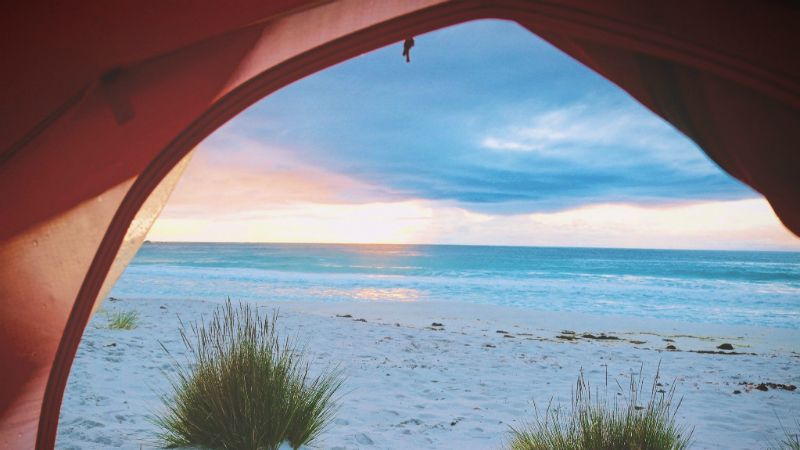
x=600 y=337
x=764 y=387
x=715 y=352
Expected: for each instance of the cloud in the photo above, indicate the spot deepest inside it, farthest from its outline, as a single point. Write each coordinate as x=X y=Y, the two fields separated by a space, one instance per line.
x=231 y=176
x=586 y=125
x=489 y=136
x=623 y=132
x=738 y=224
x=549 y=131
x=745 y=224
x=510 y=128
x=541 y=160
x=395 y=222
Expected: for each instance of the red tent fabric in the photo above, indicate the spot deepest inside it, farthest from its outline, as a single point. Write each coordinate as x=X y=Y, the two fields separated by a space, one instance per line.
x=102 y=100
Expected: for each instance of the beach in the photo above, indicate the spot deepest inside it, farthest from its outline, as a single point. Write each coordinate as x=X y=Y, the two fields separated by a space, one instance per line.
x=461 y=383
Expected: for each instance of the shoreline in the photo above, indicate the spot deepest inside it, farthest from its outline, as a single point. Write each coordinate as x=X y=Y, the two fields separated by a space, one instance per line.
x=459 y=385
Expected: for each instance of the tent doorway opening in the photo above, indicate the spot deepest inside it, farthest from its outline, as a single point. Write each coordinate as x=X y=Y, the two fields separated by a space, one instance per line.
x=383 y=187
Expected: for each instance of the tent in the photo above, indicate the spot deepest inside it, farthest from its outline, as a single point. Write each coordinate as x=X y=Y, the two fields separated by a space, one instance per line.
x=103 y=101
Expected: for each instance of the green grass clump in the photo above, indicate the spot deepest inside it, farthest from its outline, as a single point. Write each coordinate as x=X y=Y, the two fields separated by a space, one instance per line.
x=242 y=387
x=600 y=425
x=790 y=441
x=122 y=320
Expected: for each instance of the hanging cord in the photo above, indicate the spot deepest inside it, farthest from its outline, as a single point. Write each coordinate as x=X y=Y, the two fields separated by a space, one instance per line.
x=409 y=42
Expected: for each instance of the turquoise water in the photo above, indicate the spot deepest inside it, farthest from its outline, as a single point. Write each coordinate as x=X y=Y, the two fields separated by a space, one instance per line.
x=729 y=287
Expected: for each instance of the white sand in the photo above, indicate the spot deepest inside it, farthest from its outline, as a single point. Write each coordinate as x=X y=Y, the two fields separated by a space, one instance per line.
x=413 y=387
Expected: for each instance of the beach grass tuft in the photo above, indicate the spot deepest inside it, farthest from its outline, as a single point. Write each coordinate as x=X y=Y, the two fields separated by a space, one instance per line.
x=790 y=441
x=597 y=424
x=243 y=387
x=122 y=320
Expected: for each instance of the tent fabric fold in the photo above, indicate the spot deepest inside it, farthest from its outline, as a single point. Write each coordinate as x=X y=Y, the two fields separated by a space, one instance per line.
x=101 y=101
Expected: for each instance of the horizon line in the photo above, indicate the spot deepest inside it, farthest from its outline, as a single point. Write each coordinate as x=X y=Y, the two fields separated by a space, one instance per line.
x=151 y=241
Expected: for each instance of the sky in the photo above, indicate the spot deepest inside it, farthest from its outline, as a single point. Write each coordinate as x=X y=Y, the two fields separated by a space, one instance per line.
x=489 y=136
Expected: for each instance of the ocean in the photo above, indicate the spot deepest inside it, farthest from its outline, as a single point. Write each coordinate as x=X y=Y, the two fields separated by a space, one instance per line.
x=726 y=287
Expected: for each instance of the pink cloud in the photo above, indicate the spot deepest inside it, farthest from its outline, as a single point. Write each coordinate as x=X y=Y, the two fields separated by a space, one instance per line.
x=246 y=176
